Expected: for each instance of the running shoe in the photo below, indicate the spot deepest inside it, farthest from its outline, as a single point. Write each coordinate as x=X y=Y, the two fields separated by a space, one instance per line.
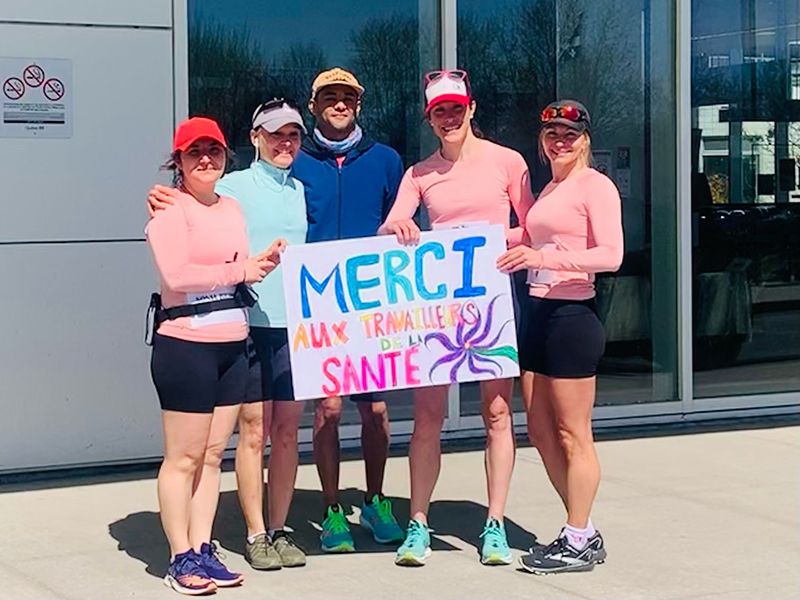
x=209 y=559
x=287 y=549
x=186 y=576
x=261 y=554
x=378 y=518
x=495 y=550
x=416 y=548
x=561 y=557
x=335 y=536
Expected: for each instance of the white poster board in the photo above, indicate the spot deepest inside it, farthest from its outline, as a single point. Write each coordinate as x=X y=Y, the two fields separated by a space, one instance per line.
x=369 y=315
x=36 y=97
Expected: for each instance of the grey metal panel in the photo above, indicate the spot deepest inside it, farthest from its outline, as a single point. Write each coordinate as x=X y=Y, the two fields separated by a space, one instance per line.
x=74 y=377
x=143 y=13
x=91 y=186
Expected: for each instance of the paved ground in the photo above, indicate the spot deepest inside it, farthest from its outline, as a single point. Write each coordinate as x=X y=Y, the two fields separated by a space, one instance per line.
x=705 y=515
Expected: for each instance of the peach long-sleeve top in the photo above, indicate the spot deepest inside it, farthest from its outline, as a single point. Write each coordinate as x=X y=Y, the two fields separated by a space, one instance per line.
x=577 y=225
x=482 y=188
x=199 y=251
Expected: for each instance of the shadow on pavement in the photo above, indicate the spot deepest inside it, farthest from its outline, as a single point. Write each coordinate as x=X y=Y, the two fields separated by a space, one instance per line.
x=140 y=534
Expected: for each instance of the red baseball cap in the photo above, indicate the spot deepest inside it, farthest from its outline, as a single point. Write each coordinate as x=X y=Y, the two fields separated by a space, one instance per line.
x=191 y=130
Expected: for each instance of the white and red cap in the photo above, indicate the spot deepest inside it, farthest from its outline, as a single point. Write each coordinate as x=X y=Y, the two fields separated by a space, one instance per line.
x=446 y=89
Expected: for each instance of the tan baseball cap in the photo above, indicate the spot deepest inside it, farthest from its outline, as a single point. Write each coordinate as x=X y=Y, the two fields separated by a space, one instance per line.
x=335 y=76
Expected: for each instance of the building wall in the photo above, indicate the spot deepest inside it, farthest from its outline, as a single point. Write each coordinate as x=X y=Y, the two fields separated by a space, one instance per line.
x=74 y=380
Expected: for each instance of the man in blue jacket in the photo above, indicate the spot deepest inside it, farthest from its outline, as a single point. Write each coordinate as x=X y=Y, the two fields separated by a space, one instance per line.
x=350 y=183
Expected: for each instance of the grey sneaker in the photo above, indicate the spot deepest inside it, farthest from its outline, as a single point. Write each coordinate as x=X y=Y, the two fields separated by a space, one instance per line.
x=261 y=554
x=290 y=553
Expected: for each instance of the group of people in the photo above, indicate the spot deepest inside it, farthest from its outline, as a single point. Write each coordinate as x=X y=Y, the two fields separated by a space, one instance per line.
x=221 y=356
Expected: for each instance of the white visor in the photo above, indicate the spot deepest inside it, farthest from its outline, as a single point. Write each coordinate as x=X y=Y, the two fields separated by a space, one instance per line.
x=275 y=118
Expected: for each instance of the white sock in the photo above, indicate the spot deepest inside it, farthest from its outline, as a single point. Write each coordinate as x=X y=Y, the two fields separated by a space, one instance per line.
x=252 y=538
x=578 y=538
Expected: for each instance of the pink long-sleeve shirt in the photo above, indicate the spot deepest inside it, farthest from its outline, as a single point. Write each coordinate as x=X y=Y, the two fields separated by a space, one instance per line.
x=481 y=188
x=577 y=225
x=199 y=251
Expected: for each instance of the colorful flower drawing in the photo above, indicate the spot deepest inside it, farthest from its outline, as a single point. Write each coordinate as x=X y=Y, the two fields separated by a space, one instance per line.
x=470 y=347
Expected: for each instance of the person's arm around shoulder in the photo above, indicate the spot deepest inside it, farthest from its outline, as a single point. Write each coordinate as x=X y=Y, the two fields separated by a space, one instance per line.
x=399 y=221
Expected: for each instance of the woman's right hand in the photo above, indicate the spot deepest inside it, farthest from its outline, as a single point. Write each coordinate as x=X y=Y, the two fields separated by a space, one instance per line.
x=160 y=197
x=407 y=231
x=256 y=268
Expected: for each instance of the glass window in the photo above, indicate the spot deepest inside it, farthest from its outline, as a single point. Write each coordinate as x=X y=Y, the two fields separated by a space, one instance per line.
x=617 y=57
x=243 y=52
x=746 y=216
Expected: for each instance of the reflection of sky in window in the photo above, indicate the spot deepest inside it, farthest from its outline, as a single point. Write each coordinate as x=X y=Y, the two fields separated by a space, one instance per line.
x=276 y=26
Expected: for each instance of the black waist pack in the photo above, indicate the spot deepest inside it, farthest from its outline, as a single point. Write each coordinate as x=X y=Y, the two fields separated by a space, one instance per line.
x=243 y=297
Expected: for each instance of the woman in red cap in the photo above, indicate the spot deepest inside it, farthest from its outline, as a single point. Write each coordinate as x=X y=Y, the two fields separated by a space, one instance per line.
x=575 y=230
x=199 y=364
x=467 y=180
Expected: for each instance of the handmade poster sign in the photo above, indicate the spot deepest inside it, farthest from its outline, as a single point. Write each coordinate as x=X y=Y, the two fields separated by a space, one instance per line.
x=369 y=314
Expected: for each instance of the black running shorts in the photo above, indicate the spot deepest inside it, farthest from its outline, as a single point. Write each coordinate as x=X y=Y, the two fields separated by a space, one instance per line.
x=195 y=377
x=560 y=338
x=270 y=371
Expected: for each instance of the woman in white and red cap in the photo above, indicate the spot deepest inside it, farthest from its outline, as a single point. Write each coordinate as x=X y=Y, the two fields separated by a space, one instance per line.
x=199 y=360
x=466 y=180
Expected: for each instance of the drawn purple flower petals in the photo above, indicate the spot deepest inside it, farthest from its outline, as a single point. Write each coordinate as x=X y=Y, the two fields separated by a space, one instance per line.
x=494 y=341
x=456 y=367
x=488 y=323
x=443 y=339
x=445 y=359
x=460 y=332
x=484 y=360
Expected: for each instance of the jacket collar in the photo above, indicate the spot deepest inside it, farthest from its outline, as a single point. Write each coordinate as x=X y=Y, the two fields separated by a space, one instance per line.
x=270 y=175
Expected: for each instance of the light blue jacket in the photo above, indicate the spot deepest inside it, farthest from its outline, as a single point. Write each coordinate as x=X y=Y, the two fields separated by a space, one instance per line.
x=274 y=207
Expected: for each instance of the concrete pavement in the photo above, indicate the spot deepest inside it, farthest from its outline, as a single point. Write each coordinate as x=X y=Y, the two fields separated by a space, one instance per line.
x=705 y=515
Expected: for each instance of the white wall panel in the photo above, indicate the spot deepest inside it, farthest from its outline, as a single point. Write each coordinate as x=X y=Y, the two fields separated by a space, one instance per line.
x=74 y=371
x=91 y=186
x=151 y=13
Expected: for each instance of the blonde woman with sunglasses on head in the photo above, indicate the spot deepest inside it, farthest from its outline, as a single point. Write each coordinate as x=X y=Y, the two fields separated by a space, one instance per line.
x=575 y=230
x=467 y=180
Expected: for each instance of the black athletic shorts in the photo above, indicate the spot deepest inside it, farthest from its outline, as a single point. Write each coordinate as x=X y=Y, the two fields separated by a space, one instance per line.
x=270 y=371
x=560 y=338
x=195 y=377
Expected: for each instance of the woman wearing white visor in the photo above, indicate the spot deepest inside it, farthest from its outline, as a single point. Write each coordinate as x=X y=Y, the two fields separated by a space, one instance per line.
x=467 y=179
x=274 y=207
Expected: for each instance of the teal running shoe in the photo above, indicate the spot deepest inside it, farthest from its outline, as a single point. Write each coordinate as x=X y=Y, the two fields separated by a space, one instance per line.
x=495 y=550
x=416 y=548
x=378 y=518
x=335 y=536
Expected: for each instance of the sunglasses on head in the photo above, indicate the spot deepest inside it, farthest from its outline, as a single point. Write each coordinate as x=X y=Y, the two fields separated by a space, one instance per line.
x=565 y=111
x=456 y=74
x=274 y=103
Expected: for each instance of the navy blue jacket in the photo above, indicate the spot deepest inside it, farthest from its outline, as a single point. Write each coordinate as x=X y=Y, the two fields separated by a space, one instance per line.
x=351 y=201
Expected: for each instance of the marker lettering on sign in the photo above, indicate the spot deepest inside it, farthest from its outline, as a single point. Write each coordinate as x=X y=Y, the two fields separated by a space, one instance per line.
x=361 y=276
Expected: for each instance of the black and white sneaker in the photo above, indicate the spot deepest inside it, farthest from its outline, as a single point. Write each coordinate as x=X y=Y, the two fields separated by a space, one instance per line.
x=561 y=557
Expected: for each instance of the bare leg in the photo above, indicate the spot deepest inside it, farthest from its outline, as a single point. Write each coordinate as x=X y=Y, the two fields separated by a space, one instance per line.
x=374 y=443
x=500 y=445
x=206 y=496
x=425 y=453
x=572 y=401
x=254 y=421
x=185 y=437
x=328 y=414
x=283 y=460
x=542 y=430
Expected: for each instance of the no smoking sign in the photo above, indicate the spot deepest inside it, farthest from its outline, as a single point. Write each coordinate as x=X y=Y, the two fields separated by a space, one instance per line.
x=36 y=100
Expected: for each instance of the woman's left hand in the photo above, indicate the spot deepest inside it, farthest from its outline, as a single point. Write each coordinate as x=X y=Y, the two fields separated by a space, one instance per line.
x=518 y=258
